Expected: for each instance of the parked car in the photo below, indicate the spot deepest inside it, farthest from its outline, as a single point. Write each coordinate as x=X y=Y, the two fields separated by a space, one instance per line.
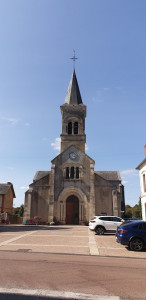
x=132 y=234
x=126 y=220
x=102 y=224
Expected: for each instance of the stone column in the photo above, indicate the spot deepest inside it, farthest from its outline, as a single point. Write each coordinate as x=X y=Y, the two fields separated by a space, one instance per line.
x=27 y=205
x=115 y=203
x=92 y=192
x=51 y=198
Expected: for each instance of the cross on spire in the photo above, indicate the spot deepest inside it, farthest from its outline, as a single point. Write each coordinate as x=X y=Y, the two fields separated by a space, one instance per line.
x=74 y=58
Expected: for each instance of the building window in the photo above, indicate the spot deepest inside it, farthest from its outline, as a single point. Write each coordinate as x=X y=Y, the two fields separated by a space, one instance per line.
x=72 y=173
x=70 y=128
x=77 y=172
x=67 y=173
x=76 y=128
x=144 y=183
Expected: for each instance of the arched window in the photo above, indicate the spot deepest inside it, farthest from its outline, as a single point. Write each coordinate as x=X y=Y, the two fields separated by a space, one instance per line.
x=77 y=172
x=67 y=172
x=72 y=173
x=70 y=128
x=144 y=183
x=76 y=128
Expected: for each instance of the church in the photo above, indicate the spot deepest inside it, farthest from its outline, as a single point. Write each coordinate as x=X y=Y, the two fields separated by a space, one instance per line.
x=72 y=192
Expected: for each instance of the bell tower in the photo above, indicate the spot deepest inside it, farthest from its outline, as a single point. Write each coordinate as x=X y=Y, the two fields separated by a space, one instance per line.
x=73 y=117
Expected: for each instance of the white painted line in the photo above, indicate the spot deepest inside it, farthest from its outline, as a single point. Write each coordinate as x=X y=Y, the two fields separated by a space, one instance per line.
x=41 y=245
x=92 y=244
x=112 y=248
x=52 y=235
x=1 y=234
x=16 y=238
x=56 y=294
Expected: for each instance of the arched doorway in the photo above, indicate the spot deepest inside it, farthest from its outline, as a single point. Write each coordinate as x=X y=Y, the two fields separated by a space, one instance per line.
x=72 y=210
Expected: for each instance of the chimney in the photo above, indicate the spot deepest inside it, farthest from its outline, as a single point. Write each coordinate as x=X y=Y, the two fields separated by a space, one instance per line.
x=145 y=150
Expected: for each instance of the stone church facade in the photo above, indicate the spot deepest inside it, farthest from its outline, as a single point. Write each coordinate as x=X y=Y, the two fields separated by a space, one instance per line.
x=72 y=192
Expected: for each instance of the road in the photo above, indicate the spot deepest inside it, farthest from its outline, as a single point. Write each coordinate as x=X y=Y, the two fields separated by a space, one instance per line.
x=122 y=277
x=66 y=273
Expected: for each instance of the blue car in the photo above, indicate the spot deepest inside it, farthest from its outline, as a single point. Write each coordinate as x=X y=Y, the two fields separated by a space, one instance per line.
x=132 y=234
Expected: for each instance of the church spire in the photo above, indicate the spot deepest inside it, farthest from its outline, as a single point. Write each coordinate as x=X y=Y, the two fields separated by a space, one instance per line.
x=73 y=96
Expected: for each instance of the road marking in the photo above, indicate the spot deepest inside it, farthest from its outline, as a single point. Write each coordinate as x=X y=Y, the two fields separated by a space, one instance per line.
x=16 y=238
x=41 y=245
x=112 y=248
x=8 y=234
x=56 y=294
x=92 y=244
x=52 y=235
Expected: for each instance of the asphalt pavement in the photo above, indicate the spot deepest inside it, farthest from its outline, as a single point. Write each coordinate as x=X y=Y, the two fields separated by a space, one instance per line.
x=68 y=262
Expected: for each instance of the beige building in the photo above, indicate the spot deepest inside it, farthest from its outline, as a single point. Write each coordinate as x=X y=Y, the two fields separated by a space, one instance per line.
x=73 y=192
x=142 y=175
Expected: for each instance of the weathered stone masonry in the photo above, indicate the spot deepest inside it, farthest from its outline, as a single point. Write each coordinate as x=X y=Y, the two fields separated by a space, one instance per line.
x=72 y=192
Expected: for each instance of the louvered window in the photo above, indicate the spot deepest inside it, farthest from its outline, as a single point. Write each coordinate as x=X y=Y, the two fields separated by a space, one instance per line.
x=67 y=173
x=70 y=128
x=72 y=173
x=77 y=172
x=76 y=128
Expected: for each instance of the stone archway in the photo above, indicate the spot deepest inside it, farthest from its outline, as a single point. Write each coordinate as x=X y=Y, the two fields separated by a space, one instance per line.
x=72 y=210
x=83 y=205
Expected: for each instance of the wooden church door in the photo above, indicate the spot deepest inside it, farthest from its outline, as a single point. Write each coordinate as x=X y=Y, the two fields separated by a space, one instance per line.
x=72 y=210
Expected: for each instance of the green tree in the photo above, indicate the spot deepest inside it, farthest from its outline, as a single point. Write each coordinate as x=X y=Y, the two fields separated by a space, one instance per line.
x=21 y=211
x=133 y=212
x=136 y=210
x=128 y=211
x=16 y=211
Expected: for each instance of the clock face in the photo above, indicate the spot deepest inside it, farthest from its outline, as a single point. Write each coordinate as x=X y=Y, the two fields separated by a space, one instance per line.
x=72 y=155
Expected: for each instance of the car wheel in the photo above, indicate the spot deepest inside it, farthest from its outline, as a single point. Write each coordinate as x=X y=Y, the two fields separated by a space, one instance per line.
x=136 y=244
x=100 y=230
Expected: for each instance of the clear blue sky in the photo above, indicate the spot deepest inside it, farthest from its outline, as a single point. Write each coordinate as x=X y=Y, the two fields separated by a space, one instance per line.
x=37 y=38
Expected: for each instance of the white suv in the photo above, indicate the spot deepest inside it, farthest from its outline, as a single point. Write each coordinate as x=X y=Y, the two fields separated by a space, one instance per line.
x=102 y=224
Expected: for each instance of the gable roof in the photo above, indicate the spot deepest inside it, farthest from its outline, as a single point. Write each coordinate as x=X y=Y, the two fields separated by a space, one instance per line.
x=73 y=94
x=109 y=175
x=4 y=187
x=40 y=174
x=141 y=164
x=72 y=147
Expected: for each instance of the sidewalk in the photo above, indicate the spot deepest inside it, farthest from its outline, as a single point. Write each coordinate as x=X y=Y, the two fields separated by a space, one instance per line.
x=47 y=239
x=65 y=239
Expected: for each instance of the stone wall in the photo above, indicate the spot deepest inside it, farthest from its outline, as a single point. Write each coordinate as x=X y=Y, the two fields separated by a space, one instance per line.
x=73 y=113
x=37 y=199
x=8 y=202
x=107 y=197
x=62 y=161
